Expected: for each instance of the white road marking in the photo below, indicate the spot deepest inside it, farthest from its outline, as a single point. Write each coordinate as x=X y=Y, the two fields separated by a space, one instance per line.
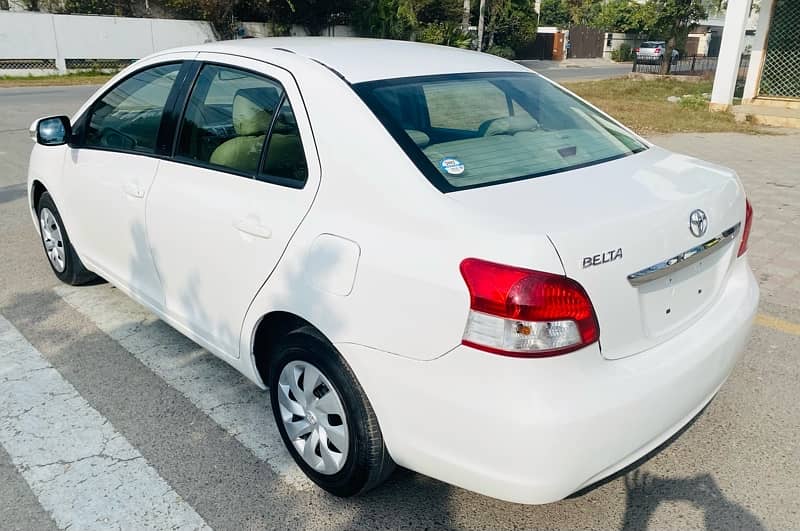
x=84 y=473
x=227 y=397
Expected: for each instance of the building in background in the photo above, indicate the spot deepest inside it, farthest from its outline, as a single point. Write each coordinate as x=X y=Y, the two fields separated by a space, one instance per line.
x=772 y=88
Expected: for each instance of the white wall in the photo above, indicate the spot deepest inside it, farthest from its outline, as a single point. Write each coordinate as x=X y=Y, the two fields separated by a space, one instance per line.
x=27 y=35
x=617 y=40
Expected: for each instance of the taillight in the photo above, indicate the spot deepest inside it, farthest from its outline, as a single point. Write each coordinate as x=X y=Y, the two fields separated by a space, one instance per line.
x=525 y=313
x=658 y=50
x=636 y=50
x=748 y=222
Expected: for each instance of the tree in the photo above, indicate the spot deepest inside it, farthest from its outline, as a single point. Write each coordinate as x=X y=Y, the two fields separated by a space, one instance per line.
x=554 y=13
x=387 y=19
x=316 y=15
x=620 y=15
x=670 y=20
x=583 y=12
x=218 y=12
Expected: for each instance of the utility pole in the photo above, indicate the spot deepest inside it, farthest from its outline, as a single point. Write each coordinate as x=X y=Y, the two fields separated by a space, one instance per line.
x=465 y=17
x=480 y=25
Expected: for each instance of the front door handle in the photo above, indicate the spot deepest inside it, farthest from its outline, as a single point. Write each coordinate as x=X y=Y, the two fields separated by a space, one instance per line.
x=253 y=227
x=133 y=190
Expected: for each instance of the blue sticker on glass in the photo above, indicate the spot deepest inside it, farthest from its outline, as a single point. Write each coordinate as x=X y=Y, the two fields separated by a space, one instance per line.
x=451 y=165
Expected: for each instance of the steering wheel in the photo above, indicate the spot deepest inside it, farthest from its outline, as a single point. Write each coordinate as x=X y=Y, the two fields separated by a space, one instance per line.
x=114 y=138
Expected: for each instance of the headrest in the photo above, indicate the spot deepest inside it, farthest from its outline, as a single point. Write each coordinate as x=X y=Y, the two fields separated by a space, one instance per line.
x=253 y=109
x=419 y=138
x=511 y=125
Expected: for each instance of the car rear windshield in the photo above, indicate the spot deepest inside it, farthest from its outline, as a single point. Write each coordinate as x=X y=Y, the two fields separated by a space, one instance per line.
x=651 y=44
x=471 y=130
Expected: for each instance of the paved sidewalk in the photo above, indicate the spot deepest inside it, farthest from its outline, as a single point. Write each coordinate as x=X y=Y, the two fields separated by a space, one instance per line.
x=768 y=166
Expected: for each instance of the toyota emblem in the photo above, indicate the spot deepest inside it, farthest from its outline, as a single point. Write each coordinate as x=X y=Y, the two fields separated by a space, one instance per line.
x=698 y=223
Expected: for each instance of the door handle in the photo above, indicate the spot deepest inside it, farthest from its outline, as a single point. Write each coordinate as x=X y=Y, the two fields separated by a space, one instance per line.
x=253 y=228
x=133 y=190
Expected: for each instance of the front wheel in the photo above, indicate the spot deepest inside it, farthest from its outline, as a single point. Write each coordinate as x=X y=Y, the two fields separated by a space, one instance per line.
x=324 y=417
x=62 y=256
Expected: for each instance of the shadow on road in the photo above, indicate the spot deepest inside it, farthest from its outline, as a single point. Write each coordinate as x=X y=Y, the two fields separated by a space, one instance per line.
x=645 y=492
x=12 y=192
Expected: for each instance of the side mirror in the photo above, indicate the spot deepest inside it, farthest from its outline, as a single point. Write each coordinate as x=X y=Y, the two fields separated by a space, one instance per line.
x=53 y=131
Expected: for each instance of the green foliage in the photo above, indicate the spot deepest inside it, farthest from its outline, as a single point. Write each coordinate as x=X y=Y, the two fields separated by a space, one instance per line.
x=432 y=21
x=510 y=24
x=97 y=7
x=218 y=12
x=555 y=13
x=447 y=34
x=388 y=19
x=583 y=12
x=623 y=53
x=622 y=16
x=313 y=15
x=501 y=51
x=670 y=19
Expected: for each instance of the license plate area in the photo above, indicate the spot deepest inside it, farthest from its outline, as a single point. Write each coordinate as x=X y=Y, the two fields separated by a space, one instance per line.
x=673 y=301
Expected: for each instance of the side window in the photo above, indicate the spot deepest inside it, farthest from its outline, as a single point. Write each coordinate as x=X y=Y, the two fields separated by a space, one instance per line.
x=128 y=117
x=227 y=118
x=285 y=156
x=464 y=105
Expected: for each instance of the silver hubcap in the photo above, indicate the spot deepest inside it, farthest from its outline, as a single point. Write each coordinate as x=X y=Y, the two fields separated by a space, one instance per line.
x=313 y=417
x=53 y=240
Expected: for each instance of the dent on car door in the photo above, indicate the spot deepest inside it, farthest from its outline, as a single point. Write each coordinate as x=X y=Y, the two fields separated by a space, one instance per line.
x=222 y=211
x=108 y=173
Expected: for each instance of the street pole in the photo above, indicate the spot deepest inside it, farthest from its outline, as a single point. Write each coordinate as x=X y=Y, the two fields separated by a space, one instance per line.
x=480 y=25
x=465 y=17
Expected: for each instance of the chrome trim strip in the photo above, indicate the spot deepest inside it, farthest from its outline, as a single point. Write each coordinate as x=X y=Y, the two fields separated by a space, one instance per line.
x=684 y=259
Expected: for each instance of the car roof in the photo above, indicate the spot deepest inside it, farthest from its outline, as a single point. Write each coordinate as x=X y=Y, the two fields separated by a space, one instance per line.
x=359 y=59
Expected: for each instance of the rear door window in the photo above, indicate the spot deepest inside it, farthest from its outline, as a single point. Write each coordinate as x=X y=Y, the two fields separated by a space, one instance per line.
x=228 y=118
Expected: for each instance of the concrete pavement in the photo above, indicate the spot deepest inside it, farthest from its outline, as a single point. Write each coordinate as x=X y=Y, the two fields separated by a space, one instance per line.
x=207 y=435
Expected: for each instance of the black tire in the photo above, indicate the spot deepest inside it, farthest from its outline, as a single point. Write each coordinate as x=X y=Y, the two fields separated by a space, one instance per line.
x=368 y=462
x=74 y=272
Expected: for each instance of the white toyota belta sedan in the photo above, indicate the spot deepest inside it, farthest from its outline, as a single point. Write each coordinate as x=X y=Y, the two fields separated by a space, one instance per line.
x=432 y=257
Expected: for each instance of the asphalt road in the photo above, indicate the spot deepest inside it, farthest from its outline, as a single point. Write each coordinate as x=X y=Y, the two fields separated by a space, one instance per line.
x=578 y=69
x=108 y=416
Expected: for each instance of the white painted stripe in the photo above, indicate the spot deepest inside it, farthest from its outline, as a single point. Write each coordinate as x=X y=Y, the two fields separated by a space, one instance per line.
x=227 y=397
x=84 y=473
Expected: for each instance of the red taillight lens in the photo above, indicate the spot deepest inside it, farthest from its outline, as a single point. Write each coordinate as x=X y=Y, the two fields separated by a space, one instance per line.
x=748 y=223
x=658 y=50
x=526 y=313
x=636 y=50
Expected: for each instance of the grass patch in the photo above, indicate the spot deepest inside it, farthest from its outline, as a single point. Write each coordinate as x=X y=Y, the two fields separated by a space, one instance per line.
x=90 y=77
x=642 y=105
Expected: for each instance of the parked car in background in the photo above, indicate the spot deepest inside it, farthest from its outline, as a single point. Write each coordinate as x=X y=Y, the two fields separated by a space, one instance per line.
x=432 y=257
x=653 y=52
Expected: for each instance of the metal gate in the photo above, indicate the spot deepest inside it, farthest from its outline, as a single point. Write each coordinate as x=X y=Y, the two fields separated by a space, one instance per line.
x=781 y=74
x=585 y=42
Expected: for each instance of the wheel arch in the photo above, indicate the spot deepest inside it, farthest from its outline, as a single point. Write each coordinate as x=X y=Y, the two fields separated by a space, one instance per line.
x=37 y=189
x=268 y=331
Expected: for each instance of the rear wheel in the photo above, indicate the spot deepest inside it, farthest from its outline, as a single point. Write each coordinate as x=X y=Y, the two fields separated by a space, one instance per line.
x=324 y=417
x=59 y=251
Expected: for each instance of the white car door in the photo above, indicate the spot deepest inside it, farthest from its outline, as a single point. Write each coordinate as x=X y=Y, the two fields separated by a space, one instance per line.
x=221 y=212
x=108 y=172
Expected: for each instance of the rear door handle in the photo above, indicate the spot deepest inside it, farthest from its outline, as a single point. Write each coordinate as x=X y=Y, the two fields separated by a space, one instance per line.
x=253 y=227
x=133 y=190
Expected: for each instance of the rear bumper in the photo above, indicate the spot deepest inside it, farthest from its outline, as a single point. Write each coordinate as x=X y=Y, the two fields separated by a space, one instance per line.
x=535 y=431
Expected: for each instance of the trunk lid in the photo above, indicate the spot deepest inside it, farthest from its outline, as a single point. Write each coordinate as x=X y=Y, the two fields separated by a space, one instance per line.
x=615 y=219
